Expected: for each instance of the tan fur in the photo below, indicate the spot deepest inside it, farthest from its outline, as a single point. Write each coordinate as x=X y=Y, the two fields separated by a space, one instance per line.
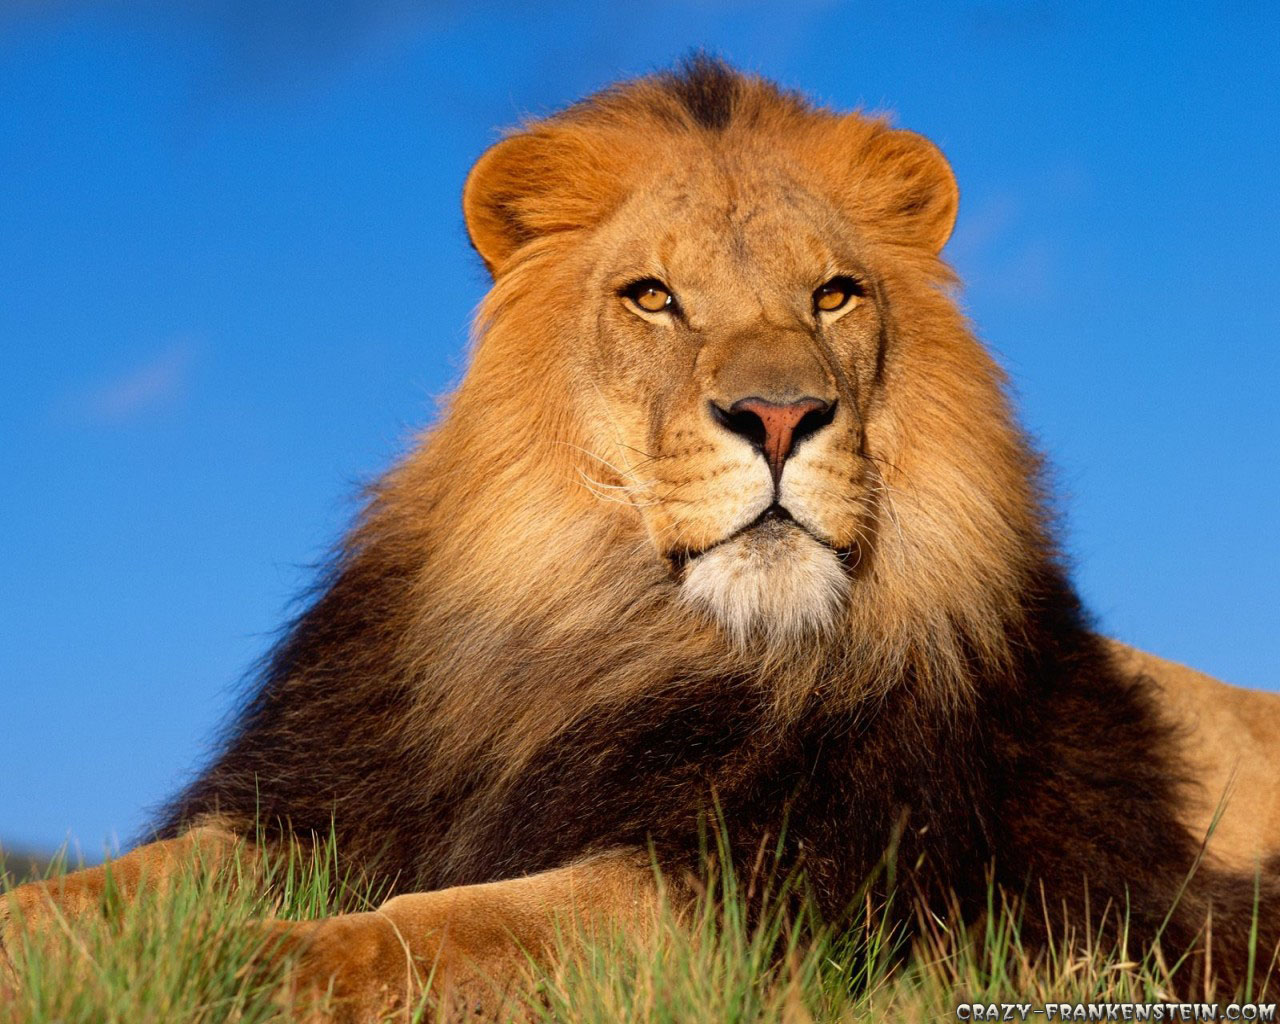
x=547 y=513
x=36 y=907
x=473 y=942
x=1229 y=747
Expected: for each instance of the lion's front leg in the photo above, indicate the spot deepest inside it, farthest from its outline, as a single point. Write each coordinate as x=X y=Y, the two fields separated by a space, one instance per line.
x=37 y=907
x=470 y=945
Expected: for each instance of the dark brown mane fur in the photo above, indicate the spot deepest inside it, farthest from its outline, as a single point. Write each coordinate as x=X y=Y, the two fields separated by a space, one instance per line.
x=461 y=713
x=707 y=89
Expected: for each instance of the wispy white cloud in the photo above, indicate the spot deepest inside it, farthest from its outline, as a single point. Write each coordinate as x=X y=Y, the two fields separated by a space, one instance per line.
x=160 y=382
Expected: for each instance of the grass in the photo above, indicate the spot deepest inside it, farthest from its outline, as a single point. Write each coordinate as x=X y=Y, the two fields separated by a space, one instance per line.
x=188 y=957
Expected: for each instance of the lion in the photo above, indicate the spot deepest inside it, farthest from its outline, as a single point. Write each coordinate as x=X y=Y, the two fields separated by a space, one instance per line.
x=731 y=509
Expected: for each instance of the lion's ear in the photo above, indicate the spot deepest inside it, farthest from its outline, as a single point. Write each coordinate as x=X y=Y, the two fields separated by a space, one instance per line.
x=549 y=178
x=497 y=186
x=909 y=189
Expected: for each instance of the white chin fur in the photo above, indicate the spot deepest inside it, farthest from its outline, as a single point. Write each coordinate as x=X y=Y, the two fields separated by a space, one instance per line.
x=775 y=581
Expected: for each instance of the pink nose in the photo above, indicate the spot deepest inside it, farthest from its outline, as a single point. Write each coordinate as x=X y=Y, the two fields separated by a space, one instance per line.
x=775 y=428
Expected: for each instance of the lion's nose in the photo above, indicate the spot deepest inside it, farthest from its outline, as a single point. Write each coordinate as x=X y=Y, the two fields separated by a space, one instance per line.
x=775 y=428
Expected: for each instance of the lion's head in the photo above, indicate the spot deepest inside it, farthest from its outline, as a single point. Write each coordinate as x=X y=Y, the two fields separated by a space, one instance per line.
x=722 y=412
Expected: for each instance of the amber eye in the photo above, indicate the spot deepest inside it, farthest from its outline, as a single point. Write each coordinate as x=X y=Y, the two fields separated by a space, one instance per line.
x=650 y=294
x=835 y=294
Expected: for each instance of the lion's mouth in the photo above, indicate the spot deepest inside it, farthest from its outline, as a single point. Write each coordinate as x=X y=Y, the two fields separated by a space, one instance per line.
x=774 y=518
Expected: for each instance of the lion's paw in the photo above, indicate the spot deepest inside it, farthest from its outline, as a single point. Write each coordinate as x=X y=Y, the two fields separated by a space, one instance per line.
x=357 y=969
x=350 y=969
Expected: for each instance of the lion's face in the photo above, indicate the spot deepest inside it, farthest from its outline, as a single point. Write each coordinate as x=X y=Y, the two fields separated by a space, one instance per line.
x=730 y=341
x=728 y=306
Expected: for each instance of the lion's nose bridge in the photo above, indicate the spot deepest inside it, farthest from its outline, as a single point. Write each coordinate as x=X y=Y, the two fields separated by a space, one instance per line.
x=780 y=367
x=771 y=390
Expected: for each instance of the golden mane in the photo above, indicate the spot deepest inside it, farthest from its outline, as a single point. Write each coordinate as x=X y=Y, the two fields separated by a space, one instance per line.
x=537 y=600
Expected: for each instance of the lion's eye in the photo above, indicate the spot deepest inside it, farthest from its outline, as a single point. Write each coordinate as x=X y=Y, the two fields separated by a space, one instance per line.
x=835 y=294
x=650 y=294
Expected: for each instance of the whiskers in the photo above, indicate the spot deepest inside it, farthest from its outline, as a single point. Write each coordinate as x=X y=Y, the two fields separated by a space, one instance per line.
x=632 y=491
x=598 y=489
x=880 y=490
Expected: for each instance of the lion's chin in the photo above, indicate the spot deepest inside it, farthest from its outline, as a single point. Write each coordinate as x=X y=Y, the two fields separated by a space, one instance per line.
x=774 y=581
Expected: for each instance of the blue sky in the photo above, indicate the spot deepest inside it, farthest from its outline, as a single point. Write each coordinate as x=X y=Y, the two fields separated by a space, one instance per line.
x=234 y=277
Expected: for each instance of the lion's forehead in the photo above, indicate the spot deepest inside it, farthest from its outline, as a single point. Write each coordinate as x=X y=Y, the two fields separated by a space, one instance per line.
x=750 y=239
